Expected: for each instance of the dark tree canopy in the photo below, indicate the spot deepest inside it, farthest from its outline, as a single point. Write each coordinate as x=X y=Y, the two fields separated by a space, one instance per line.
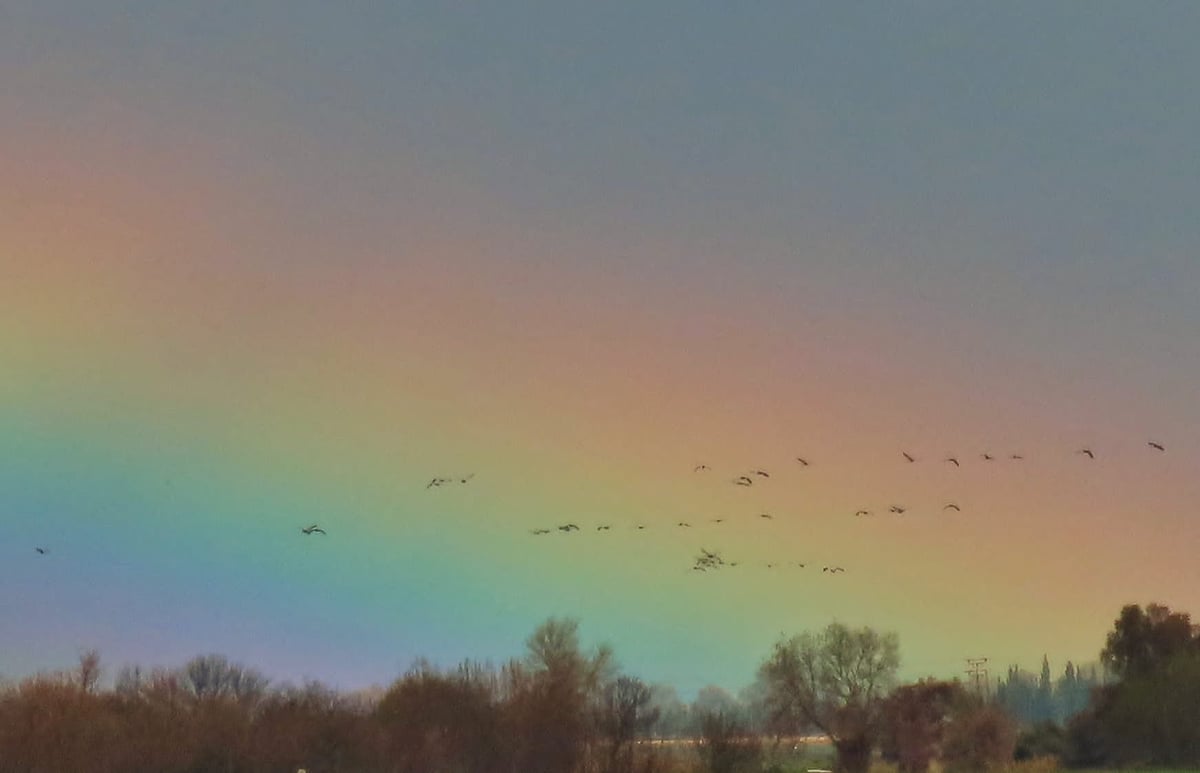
x=1145 y=639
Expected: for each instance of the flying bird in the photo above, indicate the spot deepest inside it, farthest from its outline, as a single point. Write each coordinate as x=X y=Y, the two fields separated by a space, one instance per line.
x=953 y=461
x=435 y=482
x=640 y=527
x=833 y=569
x=41 y=551
x=685 y=524
x=1016 y=457
x=908 y=456
x=862 y=512
x=987 y=457
x=464 y=480
x=897 y=509
x=743 y=480
x=700 y=468
x=603 y=528
x=1087 y=452
x=314 y=529
x=568 y=527
x=762 y=473
x=953 y=506
x=1156 y=446
x=540 y=531
x=802 y=460
x=768 y=516
x=718 y=520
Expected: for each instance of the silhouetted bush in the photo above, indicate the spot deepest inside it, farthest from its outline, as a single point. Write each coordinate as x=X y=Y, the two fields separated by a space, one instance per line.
x=980 y=739
x=1045 y=739
x=726 y=747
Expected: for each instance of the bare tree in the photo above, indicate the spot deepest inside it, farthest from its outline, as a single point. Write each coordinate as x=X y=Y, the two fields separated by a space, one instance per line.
x=213 y=676
x=624 y=713
x=89 y=670
x=835 y=680
x=553 y=693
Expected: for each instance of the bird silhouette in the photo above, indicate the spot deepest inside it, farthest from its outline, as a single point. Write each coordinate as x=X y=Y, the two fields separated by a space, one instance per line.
x=768 y=516
x=953 y=461
x=1016 y=457
x=436 y=482
x=743 y=480
x=802 y=460
x=908 y=456
x=1087 y=452
x=700 y=468
x=539 y=531
x=41 y=551
x=568 y=527
x=952 y=506
x=897 y=509
x=640 y=527
x=685 y=524
x=603 y=528
x=833 y=569
x=467 y=479
x=762 y=473
x=1156 y=446
x=718 y=520
x=314 y=529
x=986 y=457
x=861 y=513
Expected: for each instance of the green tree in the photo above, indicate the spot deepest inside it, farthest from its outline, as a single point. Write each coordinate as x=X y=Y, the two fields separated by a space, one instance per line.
x=1044 y=700
x=1143 y=639
x=835 y=680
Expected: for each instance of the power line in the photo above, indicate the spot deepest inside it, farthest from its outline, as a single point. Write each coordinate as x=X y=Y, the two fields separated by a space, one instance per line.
x=977 y=670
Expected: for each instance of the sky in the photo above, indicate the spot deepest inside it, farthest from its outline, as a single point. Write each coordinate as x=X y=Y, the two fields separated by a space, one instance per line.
x=270 y=264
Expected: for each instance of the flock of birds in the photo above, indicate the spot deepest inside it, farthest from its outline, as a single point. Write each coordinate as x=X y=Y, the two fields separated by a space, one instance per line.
x=708 y=560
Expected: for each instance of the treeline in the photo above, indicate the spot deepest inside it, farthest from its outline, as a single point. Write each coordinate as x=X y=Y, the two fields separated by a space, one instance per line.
x=560 y=709
x=557 y=709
